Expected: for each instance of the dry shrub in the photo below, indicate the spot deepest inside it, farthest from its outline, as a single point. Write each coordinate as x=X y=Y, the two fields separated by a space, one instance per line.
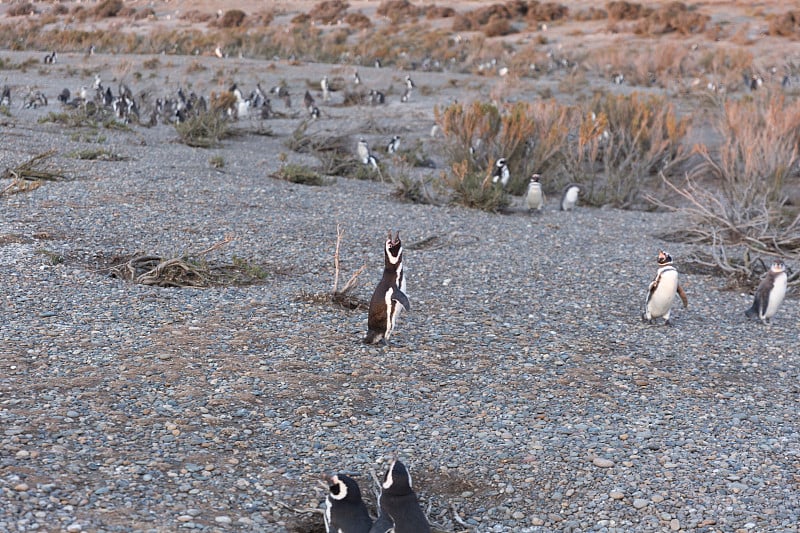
x=622 y=10
x=674 y=17
x=398 y=10
x=591 y=13
x=439 y=12
x=21 y=10
x=203 y=130
x=785 y=24
x=107 y=9
x=59 y=9
x=144 y=13
x=358 y=20
x=197 y=16
x=127 y=12
x=328 y=11
x=742 y=208
x=233 y=18
x=263 y=18
x=472 y=189
x=301 y=18
x=546 y=11
x=497 y=27
x=622 y=141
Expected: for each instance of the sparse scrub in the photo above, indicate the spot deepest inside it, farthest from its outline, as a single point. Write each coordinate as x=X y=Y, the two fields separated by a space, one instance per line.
x=622 y=10
x=107 y=9
x=203 y=130
x=416 y=191
x=21 y=10
x=674 y=17
x=785 y=24
x=474 y=189
x=300 y=174
x=30 y=174
x=399 y=10
x=736 y=198
x=233 y=18
x=217 y=162
x=546 y=11
x=329 y=11
x=97 y=154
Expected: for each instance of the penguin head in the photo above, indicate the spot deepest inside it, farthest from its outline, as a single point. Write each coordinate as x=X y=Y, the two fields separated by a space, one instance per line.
x=397 y=479
x=777 y=267
x=343 y=488
x=664 y=258
x=501 y=162
x=535 y=178
x=394 y=248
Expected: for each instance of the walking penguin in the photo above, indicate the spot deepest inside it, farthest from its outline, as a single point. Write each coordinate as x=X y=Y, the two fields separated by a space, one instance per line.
x=534 y=198
x=570 y=197
x=345 y=511
x=662 y=290
x=769 y=294
x=398 y=504
x=390 y=294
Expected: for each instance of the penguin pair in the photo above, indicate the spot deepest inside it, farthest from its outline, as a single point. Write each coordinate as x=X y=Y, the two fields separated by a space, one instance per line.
x=365 y=155
x=390 y=294
x=769 y=294
x=662 y=290
x=398 y=507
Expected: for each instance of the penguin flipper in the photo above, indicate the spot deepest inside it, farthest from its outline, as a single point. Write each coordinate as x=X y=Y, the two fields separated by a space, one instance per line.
x=683 y=297
x=400 y=296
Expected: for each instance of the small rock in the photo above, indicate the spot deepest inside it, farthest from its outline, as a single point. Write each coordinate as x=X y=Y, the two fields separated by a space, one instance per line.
x=674 y=524
x=222 y=519
x=602 y=462
x=640 y=503
x=616 y=495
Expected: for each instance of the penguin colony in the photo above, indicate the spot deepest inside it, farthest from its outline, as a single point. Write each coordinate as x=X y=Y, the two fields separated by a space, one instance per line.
x=398 y=507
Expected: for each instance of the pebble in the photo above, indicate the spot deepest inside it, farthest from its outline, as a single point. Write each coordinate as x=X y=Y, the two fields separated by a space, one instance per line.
x=601 y=462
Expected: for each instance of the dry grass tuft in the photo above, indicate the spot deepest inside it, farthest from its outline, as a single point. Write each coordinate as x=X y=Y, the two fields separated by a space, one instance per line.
x=300 y=174
x=785 y=24
x=399 y=10
x=203 y=130
x=23 y=9
x=473 y=189
x=622 y=10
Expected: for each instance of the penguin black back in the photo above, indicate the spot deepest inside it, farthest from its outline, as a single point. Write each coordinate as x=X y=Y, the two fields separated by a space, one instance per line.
x=399 y=501
x=389 y=296
x=345 y=511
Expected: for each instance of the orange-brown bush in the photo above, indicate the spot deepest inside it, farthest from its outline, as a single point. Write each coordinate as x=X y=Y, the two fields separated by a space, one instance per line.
x=144 y=13
x=263 y=18
x=329 y=11
x=622 y=10
x=439 y=12
x=591 y=13
x=358 y=20
x=497 y=27
x=745 y=210
x=107 y=9
x=21 y=10
x=398 y=10
x=233 y=18
x=785 y=25
x=195 y=15
x=546 y=11
x=674 y=17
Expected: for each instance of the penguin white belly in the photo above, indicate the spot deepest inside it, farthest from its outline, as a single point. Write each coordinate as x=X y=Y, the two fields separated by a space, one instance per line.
x=535 y=198
x=776 y=296
x=570 y=198
x=661 y=299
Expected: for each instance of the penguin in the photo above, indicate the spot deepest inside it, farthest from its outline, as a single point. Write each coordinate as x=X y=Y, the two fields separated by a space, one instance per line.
x=345 y=511
x=410 y=83
x=535 y=196
x=406 y=96
x=325 y=86
x=570 y=197
x=394 y=145
x=398 y=503
x=662 y=290
x=390 y=294
x=769 y=294
x=356 y=78
x=501 y=173
x=5 y=96
x=308 y=101
x=363 y=151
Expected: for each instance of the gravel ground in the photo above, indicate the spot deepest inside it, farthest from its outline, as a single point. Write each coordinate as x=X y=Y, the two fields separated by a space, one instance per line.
x=523 y=391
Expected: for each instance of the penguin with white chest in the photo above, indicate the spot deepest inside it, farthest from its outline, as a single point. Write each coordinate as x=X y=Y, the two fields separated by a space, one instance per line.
x=399 y=509
x=390 y=294
x=570 y=197
x=501 y=174
x=345 y=511
x=769 y=294
x=662 y=290
x=534 y=198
